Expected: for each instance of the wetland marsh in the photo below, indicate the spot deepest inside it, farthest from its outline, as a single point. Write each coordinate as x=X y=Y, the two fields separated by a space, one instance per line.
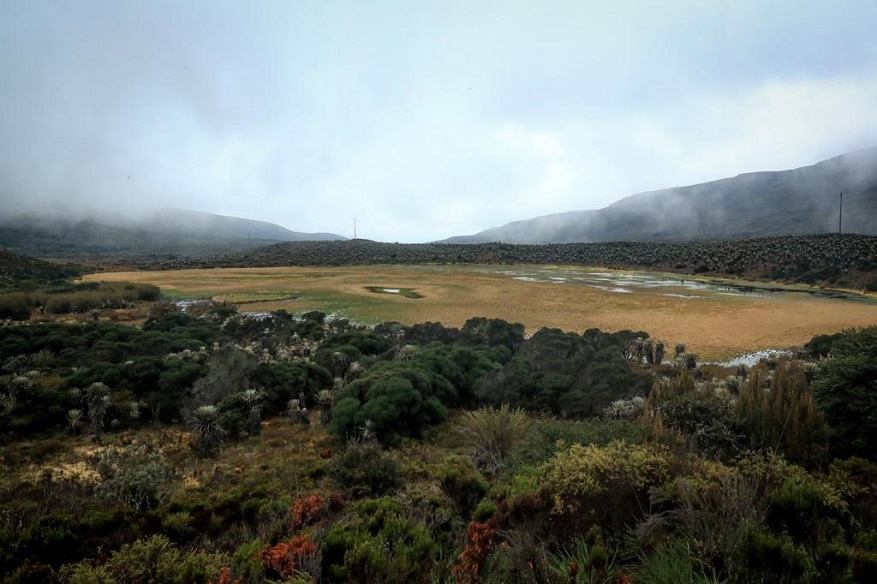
x=715 y=319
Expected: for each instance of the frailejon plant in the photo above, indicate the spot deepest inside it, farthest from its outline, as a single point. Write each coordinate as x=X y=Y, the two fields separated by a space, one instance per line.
x=97 y=397
x=207 y=431
x=253 y=399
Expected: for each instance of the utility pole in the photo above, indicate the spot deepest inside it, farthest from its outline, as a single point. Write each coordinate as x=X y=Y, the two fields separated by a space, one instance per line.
x=840 y=215
x=354 y=228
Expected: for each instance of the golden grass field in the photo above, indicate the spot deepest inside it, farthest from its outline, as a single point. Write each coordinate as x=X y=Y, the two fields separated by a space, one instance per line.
x=714 y=326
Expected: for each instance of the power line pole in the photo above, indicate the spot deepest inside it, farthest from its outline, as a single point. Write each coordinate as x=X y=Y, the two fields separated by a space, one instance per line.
x=840 y=215
x=354 y=228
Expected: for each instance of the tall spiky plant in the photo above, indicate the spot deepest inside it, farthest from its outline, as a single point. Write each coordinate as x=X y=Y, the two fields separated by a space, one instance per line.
x=784 y=416
x=74 y=419
x=97 y=397
x=253 y=399
x=207 y=431
x=493 y=433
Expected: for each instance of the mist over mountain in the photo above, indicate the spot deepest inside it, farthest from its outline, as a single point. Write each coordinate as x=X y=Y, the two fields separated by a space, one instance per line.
x=791 y=202
x=177 y=231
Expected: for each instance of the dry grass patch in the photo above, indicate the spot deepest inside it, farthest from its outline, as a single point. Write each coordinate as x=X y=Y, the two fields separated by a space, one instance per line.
x=712 y=326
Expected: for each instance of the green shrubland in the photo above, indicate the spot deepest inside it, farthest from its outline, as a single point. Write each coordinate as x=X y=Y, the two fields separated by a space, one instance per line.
x=208 y=446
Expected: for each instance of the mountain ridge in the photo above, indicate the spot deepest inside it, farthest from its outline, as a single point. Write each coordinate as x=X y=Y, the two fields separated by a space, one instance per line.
x=166 y=230
x=799 y=201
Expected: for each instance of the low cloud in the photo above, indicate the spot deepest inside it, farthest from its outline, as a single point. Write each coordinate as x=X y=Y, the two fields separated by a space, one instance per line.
x=422 y=122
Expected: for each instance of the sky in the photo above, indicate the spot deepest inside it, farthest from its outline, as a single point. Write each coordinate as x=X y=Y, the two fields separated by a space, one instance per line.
x=421 y=120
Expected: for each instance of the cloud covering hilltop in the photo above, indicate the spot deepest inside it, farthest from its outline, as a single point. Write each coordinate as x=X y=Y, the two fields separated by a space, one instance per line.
x=801 y=201
x=420 y=119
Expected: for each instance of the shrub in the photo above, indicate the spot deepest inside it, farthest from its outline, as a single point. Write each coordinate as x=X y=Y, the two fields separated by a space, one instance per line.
x=565 y=374
x=774 y=558
x=465 y=486
x=309 y=509
x=377 y=543
x=480 y=541
x=605 y=485
x=154 y=559
x=15 y=306
x=146 y=292
x=864 y=566
x=844 y=390
x=673 y=563
x=808 y=511
x=484 y=511
x=137 y=475
x=548 y=436
x=711 y=511
x=708 y=423
x=284 y=559
x=364 y=469
x=397 y=401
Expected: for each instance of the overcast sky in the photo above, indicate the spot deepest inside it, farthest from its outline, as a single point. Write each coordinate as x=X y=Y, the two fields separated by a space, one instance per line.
x=422 y=120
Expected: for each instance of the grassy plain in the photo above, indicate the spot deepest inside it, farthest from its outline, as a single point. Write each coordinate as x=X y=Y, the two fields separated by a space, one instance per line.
x=714 y=326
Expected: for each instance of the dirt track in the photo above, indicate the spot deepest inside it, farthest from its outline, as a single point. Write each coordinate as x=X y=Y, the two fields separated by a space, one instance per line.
x=712 y=326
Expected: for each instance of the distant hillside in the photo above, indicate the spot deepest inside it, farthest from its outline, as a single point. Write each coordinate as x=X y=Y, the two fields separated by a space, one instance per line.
x=18 y=272
x=790 y=202
x=169 y=231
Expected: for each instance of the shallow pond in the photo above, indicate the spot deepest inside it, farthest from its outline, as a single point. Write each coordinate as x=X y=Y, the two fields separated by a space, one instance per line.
x=663 y=284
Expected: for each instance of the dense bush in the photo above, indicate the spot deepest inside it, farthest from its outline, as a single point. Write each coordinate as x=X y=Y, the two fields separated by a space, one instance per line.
x=137 y=475
x=97 y=295
x=364 y=469
x=377 y=543
x=16 y=306
x=565 y=374
x=844 y=390
x=154 y=559
x=606 y=486
x=707 y=421
x=394 y=404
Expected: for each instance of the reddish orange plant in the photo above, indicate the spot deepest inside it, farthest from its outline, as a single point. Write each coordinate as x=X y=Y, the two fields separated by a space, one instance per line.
x=285 y=558
x=481 y=539
x=225 y=577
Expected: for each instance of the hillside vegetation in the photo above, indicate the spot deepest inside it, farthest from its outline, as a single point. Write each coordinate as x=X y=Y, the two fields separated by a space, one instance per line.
x=19 y=272
x=208 y=446
x=846 y=261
